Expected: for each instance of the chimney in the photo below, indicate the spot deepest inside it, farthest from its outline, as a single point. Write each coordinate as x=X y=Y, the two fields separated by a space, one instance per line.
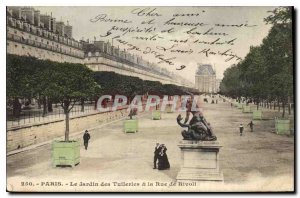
x=37 y=19
x=68 y=30
x=60 y=28
x=53 y=24
x=28 y=14
x=46 y=20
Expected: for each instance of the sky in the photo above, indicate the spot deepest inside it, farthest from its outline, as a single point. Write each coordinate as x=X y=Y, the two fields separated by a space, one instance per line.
x=237 y=28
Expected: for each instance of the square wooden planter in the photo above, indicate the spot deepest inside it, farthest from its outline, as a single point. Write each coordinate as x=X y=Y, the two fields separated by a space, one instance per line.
x=156 y=115
x=283 y=127
x=169 y=109
x=239 y=105
x=65 y=153
x=257 y=114
x=246 y=109
x=131 y=126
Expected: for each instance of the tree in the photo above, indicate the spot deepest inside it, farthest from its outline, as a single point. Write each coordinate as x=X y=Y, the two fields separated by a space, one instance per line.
x=266 y=73
x=66 y=83
x=278 y=50
x=70 y=83
x=230 y=84
x=19 y=71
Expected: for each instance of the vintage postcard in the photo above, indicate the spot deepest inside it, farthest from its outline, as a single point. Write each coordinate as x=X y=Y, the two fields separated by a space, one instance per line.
x=150 y=99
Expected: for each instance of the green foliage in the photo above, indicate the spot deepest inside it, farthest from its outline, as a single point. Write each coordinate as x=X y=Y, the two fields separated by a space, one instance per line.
x=19 y=77
x=113 y=83
x=66 y=83
x=280 y=15
x=266 y=73
x=31 y=77
x=230 y=84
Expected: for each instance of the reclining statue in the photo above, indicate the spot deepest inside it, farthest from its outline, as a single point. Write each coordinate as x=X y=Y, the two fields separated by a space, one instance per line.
x=198 y=128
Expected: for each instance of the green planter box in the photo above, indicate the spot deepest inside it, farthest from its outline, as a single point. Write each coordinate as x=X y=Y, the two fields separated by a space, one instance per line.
x=65 y=153
x=283 y=126
x=257 y=114
x=131 y=126
x=169 y=109
x=156 y=115
x=246 y=109
x=239 y=105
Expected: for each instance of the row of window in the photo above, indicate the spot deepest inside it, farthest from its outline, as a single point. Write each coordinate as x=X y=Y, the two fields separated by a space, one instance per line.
x=75 y=44
x=42 y=41
x=37 y=50
x=67 y=50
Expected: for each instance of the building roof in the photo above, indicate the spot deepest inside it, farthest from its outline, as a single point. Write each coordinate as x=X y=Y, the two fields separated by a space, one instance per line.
x=205 y=69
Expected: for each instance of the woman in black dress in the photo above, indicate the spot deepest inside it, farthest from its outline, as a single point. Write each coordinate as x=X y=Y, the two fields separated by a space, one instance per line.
x=163 y=162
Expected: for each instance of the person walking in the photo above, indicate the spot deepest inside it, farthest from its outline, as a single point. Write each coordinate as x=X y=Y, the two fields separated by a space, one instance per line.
x=251 y=125
x=86 y=138
x=156 y=154
x=241 y=129
x=163 y=162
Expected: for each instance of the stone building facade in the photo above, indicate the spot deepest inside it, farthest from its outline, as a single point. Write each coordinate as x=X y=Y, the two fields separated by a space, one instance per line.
x=30 y=33
x=205 y=79
x=218 y=82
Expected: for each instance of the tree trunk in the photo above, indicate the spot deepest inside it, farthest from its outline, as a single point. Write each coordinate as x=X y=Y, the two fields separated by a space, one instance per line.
x=39 y=103
x=29 y=101
x=82 y=104
x=283 y=109
x=16 y=108
x=96 y=101
x=44 y=106
x=66 y=105
x=50 y=109
x=274 y=105
x=67 y=126
x=289 y=105
x=278 y=106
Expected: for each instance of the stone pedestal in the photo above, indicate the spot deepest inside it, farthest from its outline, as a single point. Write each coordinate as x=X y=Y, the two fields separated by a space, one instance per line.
x=200 y=161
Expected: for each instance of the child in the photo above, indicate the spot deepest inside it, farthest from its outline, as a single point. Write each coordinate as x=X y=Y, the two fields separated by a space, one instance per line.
x=241 y=129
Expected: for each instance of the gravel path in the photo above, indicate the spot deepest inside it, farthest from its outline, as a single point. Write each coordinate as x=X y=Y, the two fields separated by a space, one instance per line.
x=256 y=161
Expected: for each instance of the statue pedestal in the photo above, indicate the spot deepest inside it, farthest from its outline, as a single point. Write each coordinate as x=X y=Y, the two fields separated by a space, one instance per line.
x=200 y=161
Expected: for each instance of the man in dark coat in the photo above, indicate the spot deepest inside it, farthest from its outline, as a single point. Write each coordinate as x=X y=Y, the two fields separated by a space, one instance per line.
x=156 y=154
x=86 y=138
x=251 y=126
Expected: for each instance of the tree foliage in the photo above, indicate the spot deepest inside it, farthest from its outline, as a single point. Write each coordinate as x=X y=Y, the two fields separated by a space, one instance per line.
x=266 y=73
